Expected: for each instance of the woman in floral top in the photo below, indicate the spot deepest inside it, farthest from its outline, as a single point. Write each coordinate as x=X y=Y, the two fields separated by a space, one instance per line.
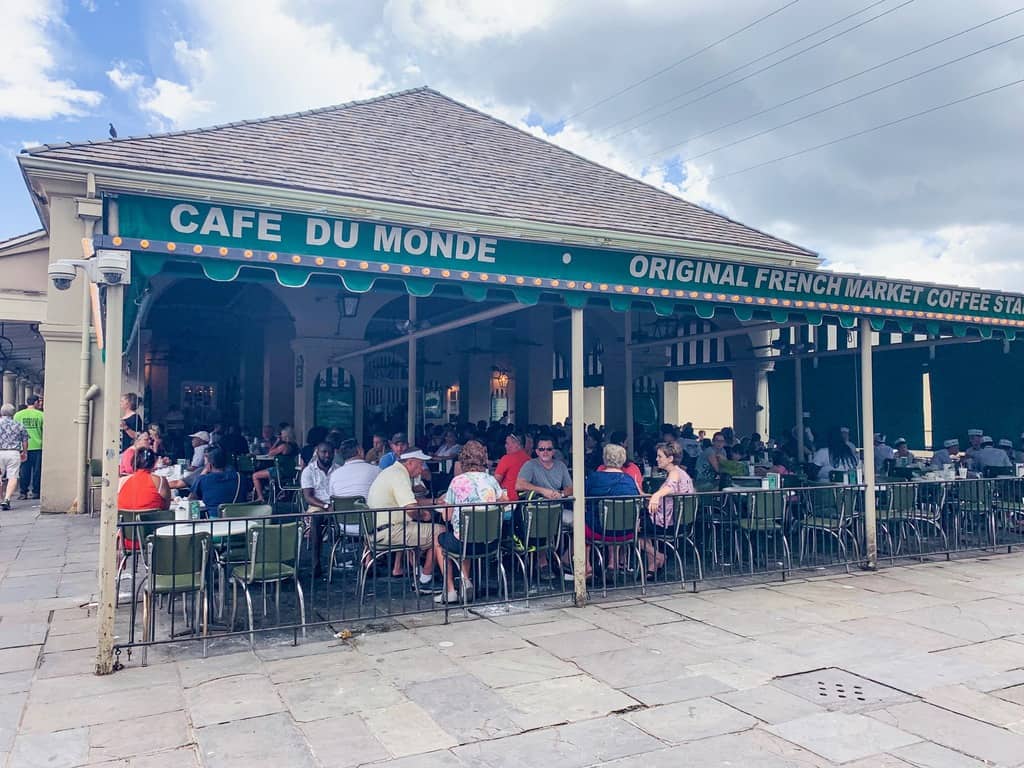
x=660 y=519
x=473 y=487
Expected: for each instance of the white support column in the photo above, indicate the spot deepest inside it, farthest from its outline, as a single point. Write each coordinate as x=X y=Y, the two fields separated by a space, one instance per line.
x=762 y=420
x=579 y=565
x=628 y=373
x=411 y=420
x=798 y=386
x=10 y=380
x=111 y=454
x=867 y=396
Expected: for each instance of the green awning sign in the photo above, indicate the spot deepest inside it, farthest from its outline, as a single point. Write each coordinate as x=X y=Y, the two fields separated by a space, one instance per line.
x=286 y=239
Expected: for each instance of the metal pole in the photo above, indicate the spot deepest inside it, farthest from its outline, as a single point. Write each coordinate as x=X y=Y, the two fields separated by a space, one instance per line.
x=868 y=430
x=579 y=556
x=798 y=385
x=411 y=420
x=85 y=354
x=630 y=447
x=111 y=455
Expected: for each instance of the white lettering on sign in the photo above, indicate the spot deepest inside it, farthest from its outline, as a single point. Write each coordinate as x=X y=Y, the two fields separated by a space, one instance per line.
x=215 y=223
x=268 y=226
x=241 y=220
x=177 y=221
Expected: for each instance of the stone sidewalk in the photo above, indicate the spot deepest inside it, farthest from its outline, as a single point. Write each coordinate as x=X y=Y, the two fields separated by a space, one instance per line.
x=914 y=666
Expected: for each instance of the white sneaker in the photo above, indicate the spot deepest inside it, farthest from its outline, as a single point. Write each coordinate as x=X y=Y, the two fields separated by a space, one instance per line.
x=449 y=597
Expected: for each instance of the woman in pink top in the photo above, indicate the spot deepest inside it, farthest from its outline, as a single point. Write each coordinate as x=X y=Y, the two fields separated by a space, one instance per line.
x=660 y=519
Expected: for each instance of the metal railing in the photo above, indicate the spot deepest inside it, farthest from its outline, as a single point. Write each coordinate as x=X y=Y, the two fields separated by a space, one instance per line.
x=330 y=569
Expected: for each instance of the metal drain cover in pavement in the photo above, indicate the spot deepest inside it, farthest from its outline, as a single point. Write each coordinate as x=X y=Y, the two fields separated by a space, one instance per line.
x=836 y=689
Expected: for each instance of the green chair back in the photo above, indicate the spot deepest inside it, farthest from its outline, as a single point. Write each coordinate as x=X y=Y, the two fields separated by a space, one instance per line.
x=976 y=494
x=286 y=470
x=767 y=506
x=825 y=502
x=480 y=524
x=902 y=499
x=619 y=514
x=245 y=463
x=543 y=521
x=178 y=563
x=275 y=544
x=652 y=484
x=245 y=510
x=686 y=507
x=347 y=503
x=153 y=520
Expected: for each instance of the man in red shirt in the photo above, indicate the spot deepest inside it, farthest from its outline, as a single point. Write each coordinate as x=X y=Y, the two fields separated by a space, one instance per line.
x=508 y=467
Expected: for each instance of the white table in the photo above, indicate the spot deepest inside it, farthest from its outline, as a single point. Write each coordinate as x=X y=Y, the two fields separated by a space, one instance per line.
x=216 y=528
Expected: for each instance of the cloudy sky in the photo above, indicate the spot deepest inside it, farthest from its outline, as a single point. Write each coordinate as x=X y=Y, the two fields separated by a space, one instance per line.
x=714 y=106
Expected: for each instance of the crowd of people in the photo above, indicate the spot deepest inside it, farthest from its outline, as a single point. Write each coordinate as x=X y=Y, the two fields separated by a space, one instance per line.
x=21 y=450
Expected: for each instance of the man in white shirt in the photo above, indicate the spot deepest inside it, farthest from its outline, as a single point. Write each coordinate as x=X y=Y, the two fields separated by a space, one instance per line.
x=974 y=436
x=882 y=452
x=355 y=475
x=989 y=456
x=944 y=456
x=316 y=492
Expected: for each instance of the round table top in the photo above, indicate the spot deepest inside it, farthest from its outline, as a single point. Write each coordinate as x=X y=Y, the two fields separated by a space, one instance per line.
x=216 y=528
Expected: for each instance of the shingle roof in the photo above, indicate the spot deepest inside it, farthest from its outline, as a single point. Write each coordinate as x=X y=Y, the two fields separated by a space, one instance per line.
x=420 y=147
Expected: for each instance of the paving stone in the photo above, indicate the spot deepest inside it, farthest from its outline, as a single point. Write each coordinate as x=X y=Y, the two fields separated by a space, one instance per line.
x=980 y=706
x=679 y=689
x=636 y=666
x=17 y=659
x=562 y=626
x=916 y=673
x=522 y=665
x=563 y=700
x=1014 y=693
x=569 y=746
x=739 y=676
x=927 y=755
x=11 y=706
x=405 y=668
x=69 y=663
x=646 y=614
x=959 y=733
x=104 y=708
x=469 y=639
x=841 y=736
x=16 y=682
x=770 y=704
x=690 y=720
x=195 y=672
x=16 y=633
x=184 y=757
x=343 y=742
x=997 y=655
x=407 y=729
x=440 y=759
x=79 y=686
x=749 y=749
x=142 y=735
x=74 y=626
x=50 y=750
x=997 y=682
x=323 y=697
x=268 y=740
x=232 y=698
x=572 y=645
x=71 y=642
x=465 y=708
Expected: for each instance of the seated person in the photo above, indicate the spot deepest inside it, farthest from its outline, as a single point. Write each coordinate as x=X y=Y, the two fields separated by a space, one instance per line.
x=400 y=519
x=127 y=464
x=142 y=489
x=473 y=486
x=610 y=481
x=902 y=453
x=218 y=484
x=284 y=447
x=660 y=518
x=449 y=448
x=355 y=475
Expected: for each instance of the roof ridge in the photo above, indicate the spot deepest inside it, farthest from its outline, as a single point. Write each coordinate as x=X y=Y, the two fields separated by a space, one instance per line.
x=235 y=123
x=609 y=169
x=27 y=237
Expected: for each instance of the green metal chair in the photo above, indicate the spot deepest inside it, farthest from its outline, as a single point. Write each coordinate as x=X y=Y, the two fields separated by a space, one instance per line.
x=234 y=548
x=829 y=513
x=341 y=527
x=374 y=551
x=896 y=514
x=480 y=535
x=175 y=565
x=764 y=516
x=95 y=483
x=977 y=506
x=285 y=480
x=686 y=511
x=130 y=547
x=273 y=556
x=542 y=521
x=619 y=517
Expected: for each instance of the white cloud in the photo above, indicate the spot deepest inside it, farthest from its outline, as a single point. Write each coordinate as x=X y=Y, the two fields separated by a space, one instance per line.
x=280 y=62
x=123 y=78
x=90 y=5
x=30 y=88
x=427 y=23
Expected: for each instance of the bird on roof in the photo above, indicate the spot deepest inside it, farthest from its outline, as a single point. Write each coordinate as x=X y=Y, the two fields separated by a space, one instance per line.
x=112 y=131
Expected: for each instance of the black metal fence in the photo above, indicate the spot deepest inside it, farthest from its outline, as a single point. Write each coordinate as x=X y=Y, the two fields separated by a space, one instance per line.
x=253 y=570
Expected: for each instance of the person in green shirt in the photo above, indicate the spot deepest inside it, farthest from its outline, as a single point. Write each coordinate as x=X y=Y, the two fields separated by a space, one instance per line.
x=31 y=418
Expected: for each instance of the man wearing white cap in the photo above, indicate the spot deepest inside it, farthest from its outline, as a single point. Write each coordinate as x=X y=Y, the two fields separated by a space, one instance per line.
x=882 y=452
x=901 y=454
x=974 y=436
x=1006 y=446
x=400 y=519
x=944 y=456
x=989 y=456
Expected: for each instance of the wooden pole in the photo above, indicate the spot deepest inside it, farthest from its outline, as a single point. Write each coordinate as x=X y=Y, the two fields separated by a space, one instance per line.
x=579 y=565
x=867 y=399
x=111 y=456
